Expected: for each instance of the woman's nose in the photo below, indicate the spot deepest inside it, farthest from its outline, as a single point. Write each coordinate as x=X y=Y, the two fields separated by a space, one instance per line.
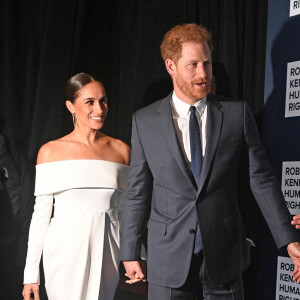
x=98 y=107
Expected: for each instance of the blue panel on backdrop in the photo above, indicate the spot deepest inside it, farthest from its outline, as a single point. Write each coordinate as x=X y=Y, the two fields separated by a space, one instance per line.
x=281 y=135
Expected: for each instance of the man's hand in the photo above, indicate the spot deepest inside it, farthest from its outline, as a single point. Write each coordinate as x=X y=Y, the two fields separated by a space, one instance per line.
x=32 y=288
x=134 y=271
x=296 y=221
x=294 y=252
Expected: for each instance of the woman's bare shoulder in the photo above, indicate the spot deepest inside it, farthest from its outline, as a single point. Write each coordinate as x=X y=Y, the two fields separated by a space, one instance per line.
x=121 y=144
x=52 y=150
x=45 y=153
x=121 y=147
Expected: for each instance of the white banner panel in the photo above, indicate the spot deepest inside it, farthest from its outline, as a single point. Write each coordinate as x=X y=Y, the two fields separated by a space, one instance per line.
x=286 y=288
x=294 y=7
x=292 y=98
x=290 y=185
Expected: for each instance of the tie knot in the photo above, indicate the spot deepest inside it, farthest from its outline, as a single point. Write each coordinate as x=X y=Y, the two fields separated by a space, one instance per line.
x=192 y=109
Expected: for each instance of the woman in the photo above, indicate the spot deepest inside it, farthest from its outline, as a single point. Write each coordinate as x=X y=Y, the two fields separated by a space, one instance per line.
x=84 y=173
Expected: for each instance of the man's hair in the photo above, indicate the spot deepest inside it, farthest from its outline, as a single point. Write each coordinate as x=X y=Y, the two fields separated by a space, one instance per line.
x=171 y=46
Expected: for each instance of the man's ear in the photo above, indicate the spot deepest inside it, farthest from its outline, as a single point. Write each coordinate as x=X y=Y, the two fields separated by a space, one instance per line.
x=171 y=66
x=70 y=106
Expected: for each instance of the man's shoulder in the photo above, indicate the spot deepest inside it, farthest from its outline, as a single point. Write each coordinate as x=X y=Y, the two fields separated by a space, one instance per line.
x=154 y=107
x=226 y=104
x=223 y=100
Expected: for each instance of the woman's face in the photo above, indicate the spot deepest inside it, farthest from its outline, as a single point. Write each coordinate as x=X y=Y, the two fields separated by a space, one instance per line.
x=90 y=106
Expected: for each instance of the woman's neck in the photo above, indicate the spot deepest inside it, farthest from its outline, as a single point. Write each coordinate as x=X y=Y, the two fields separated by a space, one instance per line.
x=88 y=136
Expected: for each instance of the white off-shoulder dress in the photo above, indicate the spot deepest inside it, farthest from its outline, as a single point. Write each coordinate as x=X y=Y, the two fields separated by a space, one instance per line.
x=79 y=238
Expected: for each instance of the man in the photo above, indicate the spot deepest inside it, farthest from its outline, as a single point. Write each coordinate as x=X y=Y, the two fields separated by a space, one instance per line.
x=9 y=195
x=10 y=203
x=185 y=158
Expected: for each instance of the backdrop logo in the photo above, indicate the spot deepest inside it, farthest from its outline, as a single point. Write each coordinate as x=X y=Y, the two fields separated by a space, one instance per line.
x=294 y=7
x=286 y=288
x=292 y=98
x=290 y=185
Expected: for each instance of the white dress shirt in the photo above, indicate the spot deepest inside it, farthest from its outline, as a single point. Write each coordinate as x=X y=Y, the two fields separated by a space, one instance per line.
x=181 y=118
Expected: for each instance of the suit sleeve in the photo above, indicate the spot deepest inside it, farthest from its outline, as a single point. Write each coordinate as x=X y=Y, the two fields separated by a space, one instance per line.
x=265 y=186
x=137 y=199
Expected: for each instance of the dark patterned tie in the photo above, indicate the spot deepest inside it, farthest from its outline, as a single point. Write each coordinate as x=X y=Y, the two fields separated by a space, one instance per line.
x=196 y=163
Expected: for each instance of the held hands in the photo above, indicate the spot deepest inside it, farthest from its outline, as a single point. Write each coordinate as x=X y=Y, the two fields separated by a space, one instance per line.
x=296 y=221
x=294 y=252
x=134 y=271
x=31 y=288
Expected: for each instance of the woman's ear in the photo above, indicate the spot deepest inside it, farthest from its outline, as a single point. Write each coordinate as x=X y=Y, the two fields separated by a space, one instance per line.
x=70 y=106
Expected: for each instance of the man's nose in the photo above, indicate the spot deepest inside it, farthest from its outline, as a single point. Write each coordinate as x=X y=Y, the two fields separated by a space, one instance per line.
x=201 y=70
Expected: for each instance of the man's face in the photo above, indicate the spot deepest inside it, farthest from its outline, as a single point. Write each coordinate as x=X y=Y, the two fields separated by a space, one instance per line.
x=192 y=73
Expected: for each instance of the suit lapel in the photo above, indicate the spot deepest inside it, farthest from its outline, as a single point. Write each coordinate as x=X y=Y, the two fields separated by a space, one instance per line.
x=214 y=125
x=166 y=127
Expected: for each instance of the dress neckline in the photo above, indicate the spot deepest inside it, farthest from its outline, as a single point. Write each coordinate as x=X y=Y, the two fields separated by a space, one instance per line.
x=82 y=160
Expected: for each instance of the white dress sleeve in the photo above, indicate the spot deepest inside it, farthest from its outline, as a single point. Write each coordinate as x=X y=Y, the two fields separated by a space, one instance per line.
x=38 y=228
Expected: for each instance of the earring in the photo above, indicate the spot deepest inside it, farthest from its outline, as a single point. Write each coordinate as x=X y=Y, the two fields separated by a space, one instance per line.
x=74 y=120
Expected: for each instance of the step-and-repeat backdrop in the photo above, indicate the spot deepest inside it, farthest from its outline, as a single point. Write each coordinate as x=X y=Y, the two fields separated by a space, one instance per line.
x=281 y=135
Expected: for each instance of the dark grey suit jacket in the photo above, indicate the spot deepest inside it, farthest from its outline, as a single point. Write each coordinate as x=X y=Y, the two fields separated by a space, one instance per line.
x=159 y=181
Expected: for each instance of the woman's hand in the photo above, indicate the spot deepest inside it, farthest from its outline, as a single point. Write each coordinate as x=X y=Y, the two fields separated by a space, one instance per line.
x=134 y=272
x=31 y=288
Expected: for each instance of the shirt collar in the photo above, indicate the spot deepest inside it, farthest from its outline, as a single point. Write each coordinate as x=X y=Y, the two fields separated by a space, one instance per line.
x=183 y=109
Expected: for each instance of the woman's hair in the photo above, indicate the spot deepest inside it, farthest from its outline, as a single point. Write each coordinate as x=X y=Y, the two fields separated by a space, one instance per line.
x=75 y=83
x=171 y=46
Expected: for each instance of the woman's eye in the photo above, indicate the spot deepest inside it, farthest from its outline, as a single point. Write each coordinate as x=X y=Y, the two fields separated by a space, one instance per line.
x=103 y=100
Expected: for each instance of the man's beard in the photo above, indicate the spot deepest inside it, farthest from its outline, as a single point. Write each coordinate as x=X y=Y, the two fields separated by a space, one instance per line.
x=190 y=90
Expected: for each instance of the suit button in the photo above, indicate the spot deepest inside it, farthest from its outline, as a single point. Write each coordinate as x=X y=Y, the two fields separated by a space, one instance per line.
x=192 y=231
